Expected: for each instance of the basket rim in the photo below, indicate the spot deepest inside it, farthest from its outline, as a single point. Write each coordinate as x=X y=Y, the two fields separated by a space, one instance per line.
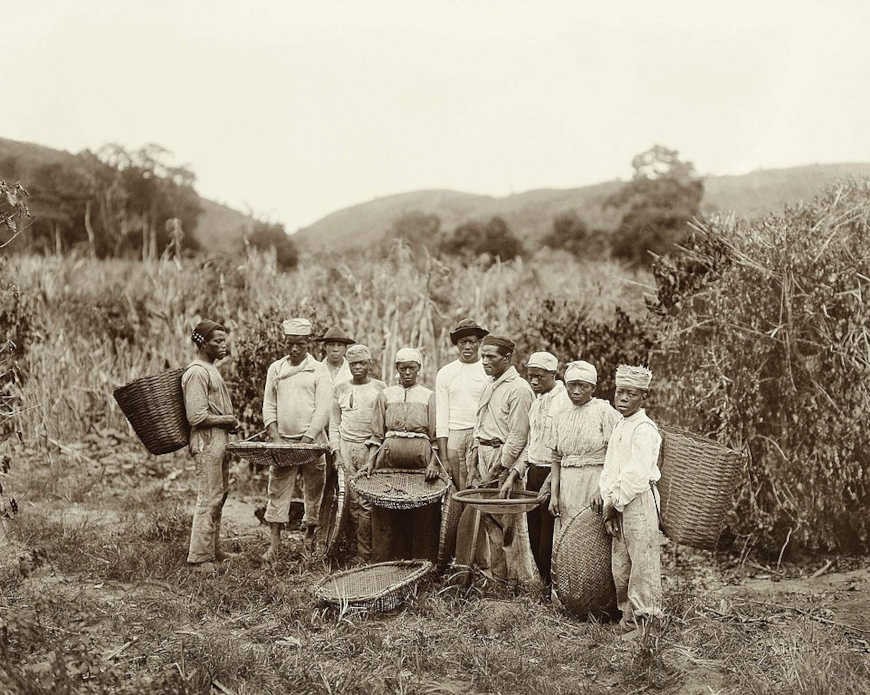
x=144 y=381
x=422 y=567
x=699 y=438
x=253 y=446
x=491 y=498
x=404 y=471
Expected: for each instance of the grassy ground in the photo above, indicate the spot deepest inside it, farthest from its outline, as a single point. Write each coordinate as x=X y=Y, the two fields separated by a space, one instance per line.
x=96 y=598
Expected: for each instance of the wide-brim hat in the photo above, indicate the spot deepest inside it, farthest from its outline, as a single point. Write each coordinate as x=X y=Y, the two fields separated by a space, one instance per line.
x=336 y=335
x=465 y=328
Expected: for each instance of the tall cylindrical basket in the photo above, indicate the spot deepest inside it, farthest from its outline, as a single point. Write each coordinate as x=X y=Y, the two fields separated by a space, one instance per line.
x=154 y=406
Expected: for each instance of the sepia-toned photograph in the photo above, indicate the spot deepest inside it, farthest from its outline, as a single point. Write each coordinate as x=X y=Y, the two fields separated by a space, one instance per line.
x=445 y=348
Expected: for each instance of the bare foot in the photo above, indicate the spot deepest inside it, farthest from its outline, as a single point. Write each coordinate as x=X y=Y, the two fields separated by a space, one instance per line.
x=203 y=567
x=269 y=555
x=221 y=556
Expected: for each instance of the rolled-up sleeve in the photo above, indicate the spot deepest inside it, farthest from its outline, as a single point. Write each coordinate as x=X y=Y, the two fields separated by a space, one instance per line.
x=518 y=426
x=194 y=383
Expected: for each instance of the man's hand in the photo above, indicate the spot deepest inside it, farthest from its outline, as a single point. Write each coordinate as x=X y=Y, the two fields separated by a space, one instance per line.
x=432 y=470
x=612 y=527
x=505 y=490
x=597 y=503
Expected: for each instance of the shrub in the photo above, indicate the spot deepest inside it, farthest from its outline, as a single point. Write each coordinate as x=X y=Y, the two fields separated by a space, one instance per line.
x=267 y=236
x=765 y=330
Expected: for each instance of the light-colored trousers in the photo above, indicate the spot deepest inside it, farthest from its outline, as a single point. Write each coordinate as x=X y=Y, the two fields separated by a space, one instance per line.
x=458 y=444
x=636 y=559
x=352 y=457
x=508 y=553
x=281 y=483
x=212 y=486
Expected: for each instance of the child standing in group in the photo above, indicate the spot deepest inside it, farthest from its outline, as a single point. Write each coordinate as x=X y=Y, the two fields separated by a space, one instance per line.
x=628 y=502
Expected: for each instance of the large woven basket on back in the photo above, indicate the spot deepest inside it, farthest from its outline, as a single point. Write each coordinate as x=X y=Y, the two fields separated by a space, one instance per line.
x=697 y=483
x=379 y=587
x=582 y=577
x=154 y=406
x=280 y=454
x=399 y=488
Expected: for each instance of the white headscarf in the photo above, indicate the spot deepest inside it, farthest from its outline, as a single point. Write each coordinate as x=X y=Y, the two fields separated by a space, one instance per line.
x=581 y=371
x=409 y=355
x=633 y=377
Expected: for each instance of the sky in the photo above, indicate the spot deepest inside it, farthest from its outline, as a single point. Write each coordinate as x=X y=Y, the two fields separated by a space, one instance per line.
x=292 y=110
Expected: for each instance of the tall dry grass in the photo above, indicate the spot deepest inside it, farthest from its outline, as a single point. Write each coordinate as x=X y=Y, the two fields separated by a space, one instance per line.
x=101 y=324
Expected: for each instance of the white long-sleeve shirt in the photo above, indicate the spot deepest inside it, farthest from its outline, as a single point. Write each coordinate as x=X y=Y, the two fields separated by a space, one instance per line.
x=458 y=387
x=631 y=461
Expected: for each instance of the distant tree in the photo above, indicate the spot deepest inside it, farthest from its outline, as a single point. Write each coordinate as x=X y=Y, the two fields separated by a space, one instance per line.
x=268 y=235
x=663 y=195
x=417 y=229
x=473 y=239
x=569 y=233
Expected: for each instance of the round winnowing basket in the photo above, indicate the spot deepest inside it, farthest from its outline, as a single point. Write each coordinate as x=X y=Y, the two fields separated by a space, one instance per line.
x=399 y=488
x=696 y=487
x=450 y=513
x=280 y=454
x=380 y=587
x=582 y=577
x=154 y=406
x=487 y=500
x=332 y=513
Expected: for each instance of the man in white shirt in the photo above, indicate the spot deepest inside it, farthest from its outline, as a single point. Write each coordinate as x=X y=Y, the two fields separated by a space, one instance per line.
x=458 y=387
x=629 y=503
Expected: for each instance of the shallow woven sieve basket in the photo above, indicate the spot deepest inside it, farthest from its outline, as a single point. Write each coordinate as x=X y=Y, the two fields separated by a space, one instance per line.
x=582 y=577
x=696 y=487
x=380 y=587
x=280 y=454
x=154 y=406
x=399 y=488
x=487 y=500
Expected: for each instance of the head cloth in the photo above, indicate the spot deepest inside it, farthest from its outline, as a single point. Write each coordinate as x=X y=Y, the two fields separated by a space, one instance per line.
x=633 y=377
x=500 y=342
x=204 y=329
x=357 y=353
x=543 y=360
x=581 y=371
x=297 y=327
x=407 y=354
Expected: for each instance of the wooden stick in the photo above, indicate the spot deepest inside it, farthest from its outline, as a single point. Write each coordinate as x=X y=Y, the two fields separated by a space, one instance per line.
x=824 y=568
x=221 y=687
x=120 y=649
x=810 y=616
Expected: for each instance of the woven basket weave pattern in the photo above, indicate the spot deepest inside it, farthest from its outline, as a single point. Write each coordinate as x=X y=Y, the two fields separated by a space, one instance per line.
x=582 y=576
x=378 y=587
x=281 y=454
x=697 y=483
x=154 y=405
x=400 y=489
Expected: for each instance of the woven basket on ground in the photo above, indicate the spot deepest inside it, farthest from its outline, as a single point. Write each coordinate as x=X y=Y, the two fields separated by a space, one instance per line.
x=280 y=454
x=380 y=587
x=332 y=513
x=487 y=500
x=582 y=577
x=399 y=488
x=154 y=405
x=450 y=513
x=696 y=487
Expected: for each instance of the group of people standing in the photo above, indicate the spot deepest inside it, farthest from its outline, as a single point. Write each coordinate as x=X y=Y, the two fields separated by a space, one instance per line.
x=482 y=425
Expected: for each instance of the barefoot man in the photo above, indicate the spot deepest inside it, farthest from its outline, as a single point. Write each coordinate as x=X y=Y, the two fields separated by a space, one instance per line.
x=296 y=406
x=210 y=414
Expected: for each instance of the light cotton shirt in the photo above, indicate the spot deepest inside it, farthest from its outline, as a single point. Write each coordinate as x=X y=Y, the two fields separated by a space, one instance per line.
x=580 y=433
x=458 y=387
x=352 y=409
x=401 y=412
x=631 y=462
x=298 y=398
x=339 y=375
x=542 y=414
x=503 y=413
x=205 y=393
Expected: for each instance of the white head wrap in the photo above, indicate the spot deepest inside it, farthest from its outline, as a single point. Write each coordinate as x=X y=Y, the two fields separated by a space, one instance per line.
x=357 y=353
x=581 y=371
x=296 y=327
x=543 y=360
x=633 y=377
x=409 y=355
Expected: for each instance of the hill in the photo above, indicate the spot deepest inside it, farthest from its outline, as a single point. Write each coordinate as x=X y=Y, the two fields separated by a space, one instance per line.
x=530 y=213
x=19 y=161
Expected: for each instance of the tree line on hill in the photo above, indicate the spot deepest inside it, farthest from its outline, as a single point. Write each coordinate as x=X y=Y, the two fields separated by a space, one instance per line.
x=656 y=206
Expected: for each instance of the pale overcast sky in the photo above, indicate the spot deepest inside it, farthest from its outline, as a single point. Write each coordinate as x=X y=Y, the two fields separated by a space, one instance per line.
x=300 y=108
